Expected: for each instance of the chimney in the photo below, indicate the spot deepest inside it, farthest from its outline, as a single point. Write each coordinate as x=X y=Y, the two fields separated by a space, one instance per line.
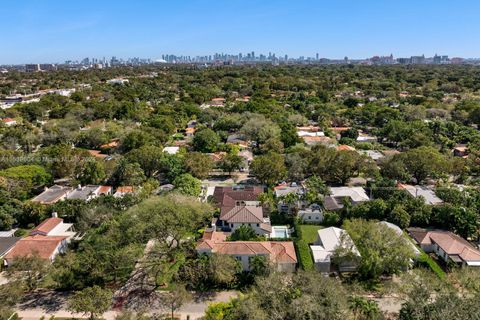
x=54 y=214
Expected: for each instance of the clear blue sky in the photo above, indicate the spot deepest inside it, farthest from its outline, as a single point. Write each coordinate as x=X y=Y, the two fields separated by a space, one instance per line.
x=56 y=30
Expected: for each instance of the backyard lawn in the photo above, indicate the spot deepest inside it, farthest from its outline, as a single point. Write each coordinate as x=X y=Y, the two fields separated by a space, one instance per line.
x=309 y=232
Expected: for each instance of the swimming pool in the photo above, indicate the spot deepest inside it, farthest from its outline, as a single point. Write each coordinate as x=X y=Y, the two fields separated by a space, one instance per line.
x=281 y=232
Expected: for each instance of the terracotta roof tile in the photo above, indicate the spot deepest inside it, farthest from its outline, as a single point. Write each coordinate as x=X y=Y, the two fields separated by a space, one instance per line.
x=42 y=246
x=46 y=226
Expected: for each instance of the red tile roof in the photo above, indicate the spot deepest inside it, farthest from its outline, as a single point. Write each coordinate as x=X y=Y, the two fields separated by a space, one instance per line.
x=44 y=247
x=228 y=196
x=344 y=147
x=449 y=242
x=278 y=251
x=242 y=214
x=125 y=189
x=104 y=189
x=46 y=226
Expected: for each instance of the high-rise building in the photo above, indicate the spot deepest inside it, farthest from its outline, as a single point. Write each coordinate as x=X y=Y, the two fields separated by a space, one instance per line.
x=32 y=67
x=316 y=56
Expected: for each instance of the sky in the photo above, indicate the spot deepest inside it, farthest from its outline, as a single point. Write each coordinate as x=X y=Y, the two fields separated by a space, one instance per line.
x=36 y=31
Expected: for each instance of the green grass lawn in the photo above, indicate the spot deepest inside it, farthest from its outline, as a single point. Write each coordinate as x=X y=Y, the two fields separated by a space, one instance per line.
x=309 y=232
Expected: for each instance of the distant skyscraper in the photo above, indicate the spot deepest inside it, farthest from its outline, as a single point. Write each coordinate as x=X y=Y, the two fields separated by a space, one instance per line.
x=316 y=56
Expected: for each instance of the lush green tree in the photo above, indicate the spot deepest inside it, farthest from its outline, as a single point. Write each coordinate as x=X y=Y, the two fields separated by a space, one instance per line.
x=173 y=216
x=92 y=301
x=230 y=163
x=148 y=157
x=243 y=233
x=198 y=164
x=136 y=139
x=304 y=296
x=365 y=309
x=221 y=310
x=127 y=174
x=91 y=172
x=422 y=163
x=269 y=168
x=206 y=140
x=29 y=271
x=383 y=252
x=175 y=299
x=20 y=180
x=188 y=185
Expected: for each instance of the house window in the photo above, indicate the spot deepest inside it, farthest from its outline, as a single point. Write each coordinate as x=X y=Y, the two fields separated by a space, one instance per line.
x=258 y=224
x=316 y=218
x=231 y=225
x=239 y=258
x=309 y=217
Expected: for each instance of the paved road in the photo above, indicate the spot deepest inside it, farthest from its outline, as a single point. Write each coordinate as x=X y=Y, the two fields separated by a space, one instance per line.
x=47 y=304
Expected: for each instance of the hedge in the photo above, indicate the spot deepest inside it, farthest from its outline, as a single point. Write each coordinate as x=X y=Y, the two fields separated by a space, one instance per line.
x=426 y=261
x=303 y=255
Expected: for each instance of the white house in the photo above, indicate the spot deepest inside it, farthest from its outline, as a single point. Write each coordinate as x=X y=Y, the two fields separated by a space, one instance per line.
x=311 y=214
x=171 y=150
x=329 y=239
x=421 y=191
x=355 y=195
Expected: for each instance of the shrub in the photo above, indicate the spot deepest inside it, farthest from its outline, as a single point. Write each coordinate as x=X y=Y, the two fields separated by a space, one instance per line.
x=426 y=261
x=304 y=256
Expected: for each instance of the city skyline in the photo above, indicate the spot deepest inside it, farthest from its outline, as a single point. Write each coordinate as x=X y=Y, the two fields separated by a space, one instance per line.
x=55 y=31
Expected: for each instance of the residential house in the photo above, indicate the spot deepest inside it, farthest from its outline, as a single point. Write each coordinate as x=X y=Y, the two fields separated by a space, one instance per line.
x=7 y=244
x=7 y=233
x=363 y=137
x=111 y=145
x=447 y=246
x=46 y=241
x=312 y=141
x=240 y=206
x=231 y=196
x=122 y=191
x=243 y=99
x=323 y=250
x=296 y=191
x=190 y=132
x=311 y=214
x=98 y=154
x=373 y=154
x=217 y=156
x=247 y=156
x=231 y=218
x=9 y=122
x=215 y=102
x=416 y=191
x=390 y=152
x=281 y=254
x=54 y=226
x=171 y=150
x=44 y=247
x=117 y=81
x=239 y=140
x=89 y=192
x=335 y=201
x=309 y=132
x=52 y=195
x=344 y=147
x=460 y=150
